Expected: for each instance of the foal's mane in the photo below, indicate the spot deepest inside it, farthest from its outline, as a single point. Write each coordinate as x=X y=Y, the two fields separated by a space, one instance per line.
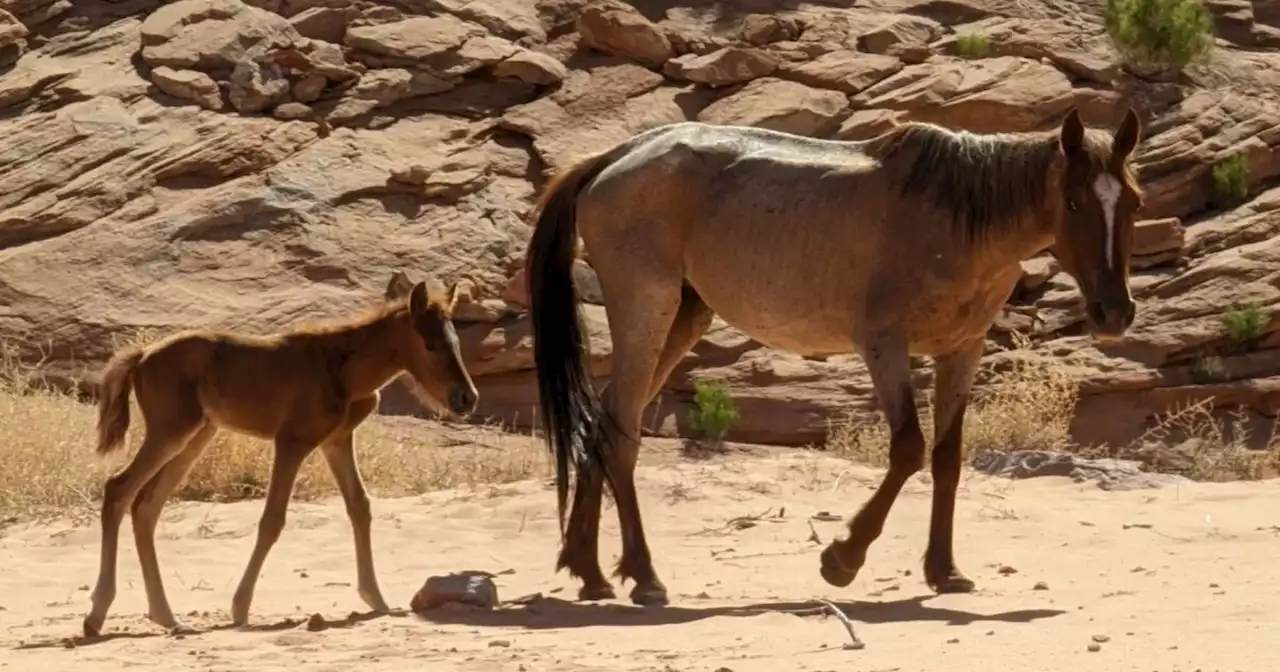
x=984 y=181
x=355 y=323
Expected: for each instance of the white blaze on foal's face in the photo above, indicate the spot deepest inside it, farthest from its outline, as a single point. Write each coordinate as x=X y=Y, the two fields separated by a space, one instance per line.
x=1107 y=188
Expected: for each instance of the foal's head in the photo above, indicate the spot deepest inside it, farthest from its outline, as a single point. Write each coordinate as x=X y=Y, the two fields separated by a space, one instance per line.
x=428 y=344
x=1094 y=231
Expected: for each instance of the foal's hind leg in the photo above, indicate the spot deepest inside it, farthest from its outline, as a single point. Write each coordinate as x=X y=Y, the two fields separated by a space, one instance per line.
x=581 y=551
x=146 y=512
x=289 y=454
x=165 y=438
x=341 y=456
x=952 y=382
x=889 y=364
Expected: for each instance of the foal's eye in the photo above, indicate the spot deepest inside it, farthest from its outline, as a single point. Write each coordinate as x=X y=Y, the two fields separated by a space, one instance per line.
x=1071 y=205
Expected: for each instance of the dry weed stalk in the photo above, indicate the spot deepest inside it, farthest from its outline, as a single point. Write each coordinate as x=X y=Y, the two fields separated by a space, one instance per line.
x=1217 y=450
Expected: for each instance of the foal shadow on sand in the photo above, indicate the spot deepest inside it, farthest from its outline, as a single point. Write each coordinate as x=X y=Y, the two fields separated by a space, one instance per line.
x=315 y=623
x=549 y=613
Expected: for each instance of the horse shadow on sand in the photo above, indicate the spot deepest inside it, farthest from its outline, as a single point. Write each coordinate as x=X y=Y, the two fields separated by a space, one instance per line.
x=545 y=613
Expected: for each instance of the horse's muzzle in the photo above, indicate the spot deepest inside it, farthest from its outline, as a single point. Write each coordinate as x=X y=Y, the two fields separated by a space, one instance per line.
x=1109 y=320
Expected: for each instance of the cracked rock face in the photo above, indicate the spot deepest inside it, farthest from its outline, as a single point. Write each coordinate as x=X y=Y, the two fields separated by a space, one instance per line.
x=217 y=163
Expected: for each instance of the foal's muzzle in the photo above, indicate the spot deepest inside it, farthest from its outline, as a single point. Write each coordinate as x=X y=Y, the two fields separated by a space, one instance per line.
x=462 y=400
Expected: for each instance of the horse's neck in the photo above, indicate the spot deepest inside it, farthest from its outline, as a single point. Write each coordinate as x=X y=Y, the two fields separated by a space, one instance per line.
x=1020 y=242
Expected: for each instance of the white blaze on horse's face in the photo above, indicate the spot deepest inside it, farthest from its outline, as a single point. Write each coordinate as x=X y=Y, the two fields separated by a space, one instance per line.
x=1107 y=188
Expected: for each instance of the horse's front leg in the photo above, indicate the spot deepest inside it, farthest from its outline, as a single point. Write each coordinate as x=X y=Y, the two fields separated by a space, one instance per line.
x=953 y=379
x=890 y=367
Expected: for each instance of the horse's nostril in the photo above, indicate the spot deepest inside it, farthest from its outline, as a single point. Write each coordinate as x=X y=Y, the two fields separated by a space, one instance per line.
x=1097 y=313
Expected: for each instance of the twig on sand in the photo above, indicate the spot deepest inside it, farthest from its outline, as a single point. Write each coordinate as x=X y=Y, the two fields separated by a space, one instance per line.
x=854 y=643
x=741 y=523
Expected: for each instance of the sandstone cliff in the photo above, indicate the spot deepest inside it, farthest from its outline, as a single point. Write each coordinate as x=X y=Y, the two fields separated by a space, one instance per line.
x=250 y=164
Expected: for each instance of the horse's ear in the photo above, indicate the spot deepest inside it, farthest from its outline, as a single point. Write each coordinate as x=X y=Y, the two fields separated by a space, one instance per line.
x=398 y=287
x=455 y=290
x=1072 y=138
x=1127 y=137
x=418 y=299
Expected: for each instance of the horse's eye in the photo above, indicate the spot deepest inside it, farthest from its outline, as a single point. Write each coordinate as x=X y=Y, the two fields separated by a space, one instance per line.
x=1071 y=205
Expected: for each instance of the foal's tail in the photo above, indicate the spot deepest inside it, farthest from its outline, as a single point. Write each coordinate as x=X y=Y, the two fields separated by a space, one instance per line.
x=569 y=406
x=113 y=399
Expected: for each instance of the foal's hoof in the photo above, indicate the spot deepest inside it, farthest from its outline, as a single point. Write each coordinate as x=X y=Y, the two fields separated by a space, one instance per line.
x=649 y=596
x=833 y=571
x=596 y=593
x=953 y=582
x=181 y=628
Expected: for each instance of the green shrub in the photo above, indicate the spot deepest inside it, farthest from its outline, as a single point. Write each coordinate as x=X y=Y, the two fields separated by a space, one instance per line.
x=972 y=45
x=1231 y=180
x=1245 y=324
x=1164 y=34
x=715 y=413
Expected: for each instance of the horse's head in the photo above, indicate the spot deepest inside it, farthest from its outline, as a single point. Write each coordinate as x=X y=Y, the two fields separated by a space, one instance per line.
x=1094 y=227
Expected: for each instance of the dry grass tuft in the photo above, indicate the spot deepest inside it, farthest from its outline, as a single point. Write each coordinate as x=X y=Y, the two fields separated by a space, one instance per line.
x=50 y=467
x=1024 y=403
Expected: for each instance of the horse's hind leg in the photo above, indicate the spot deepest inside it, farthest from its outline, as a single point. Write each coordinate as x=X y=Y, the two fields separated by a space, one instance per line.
x=691 y=324
x=170 y=422
x=889 y=364
x=340 y=454
x=581 y=552
x=953 y=380
x=146 y=512
x=642 y=306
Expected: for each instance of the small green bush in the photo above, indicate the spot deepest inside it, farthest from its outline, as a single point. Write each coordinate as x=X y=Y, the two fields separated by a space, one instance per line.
x=972 y=45
x=1164 y=34
x=715 y=413
x=1231 y=180
x=1245 y=324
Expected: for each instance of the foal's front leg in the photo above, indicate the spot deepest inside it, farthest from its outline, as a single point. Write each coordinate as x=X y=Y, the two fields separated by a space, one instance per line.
x=953 y=380
x=341 y=456
x=888 y=361
x=290 y=452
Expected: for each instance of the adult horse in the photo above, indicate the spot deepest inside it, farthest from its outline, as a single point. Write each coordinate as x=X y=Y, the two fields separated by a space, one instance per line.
x=904 y=244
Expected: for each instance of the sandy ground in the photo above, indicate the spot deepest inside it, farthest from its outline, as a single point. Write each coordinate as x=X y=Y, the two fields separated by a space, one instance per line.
x=1177 y=578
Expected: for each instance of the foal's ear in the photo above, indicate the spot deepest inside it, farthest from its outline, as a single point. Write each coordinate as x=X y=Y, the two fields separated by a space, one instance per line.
x=398 y=287
x=418 y=302
x=1126 y=137
x=1072 y=138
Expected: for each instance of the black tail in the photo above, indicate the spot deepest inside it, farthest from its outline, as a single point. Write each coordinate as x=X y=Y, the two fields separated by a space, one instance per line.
x=569 y=405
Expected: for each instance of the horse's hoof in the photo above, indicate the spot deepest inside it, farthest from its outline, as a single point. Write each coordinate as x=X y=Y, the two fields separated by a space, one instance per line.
x=649 y=596
x=833 y=571
x=596 y=593
x=92 y=627
x=954 y=582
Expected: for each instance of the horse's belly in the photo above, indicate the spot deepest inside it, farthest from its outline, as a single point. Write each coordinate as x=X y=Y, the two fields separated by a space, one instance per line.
x=793 y=325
